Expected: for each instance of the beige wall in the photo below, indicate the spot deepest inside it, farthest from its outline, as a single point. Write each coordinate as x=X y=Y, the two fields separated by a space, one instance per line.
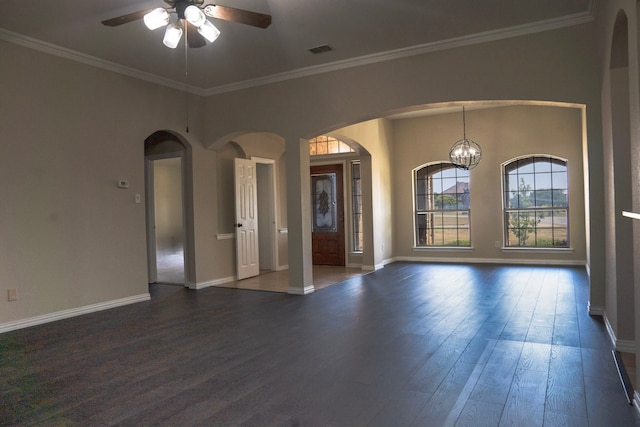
x=375 y=138
x=504 y=133
x=70 y=237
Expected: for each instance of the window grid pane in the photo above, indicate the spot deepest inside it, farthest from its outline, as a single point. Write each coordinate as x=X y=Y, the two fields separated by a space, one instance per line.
x=324 y=144
x=442 y=200
x=536 y=202
x=356 y=191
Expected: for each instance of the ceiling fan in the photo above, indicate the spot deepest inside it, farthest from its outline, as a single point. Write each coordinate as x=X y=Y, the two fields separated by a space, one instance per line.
x=192 y=17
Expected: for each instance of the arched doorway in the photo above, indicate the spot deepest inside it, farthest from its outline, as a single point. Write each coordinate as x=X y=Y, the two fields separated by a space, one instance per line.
x=168 y=213
x=620 y=311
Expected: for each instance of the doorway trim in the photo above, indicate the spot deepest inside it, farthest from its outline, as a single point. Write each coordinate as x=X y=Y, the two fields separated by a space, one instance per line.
x=165 y=144
x=271 y=209
x=150 y=210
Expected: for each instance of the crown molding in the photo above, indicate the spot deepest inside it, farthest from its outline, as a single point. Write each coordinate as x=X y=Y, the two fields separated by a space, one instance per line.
x=62 y=52
x=473 y=39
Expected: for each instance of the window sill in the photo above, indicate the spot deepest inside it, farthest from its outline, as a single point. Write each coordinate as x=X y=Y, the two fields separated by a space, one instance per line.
x=443 y=248
x=535 y=249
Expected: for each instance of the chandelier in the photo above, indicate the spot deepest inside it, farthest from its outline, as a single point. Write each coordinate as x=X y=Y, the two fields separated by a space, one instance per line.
x=187 y=11
x=465 y=153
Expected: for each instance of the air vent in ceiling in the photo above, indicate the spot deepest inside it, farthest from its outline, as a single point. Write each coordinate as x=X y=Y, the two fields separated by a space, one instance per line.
x=320 y=49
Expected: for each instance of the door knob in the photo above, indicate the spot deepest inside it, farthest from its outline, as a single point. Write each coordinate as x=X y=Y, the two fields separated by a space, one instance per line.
x=237 y=225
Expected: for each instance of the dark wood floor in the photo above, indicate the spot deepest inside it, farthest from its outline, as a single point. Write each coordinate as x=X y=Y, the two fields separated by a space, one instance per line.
x=411 y=344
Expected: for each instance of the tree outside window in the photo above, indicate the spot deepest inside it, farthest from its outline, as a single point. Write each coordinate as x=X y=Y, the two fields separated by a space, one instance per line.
x=536 y=202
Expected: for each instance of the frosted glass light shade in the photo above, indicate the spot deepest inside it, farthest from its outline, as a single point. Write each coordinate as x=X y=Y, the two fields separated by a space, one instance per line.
x=156 y=18
x=172 y=36
x=194 y=15
x=209 y=31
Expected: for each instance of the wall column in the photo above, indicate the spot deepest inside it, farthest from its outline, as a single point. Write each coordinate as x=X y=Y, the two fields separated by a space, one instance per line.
x=299 y=216
x=368 y=250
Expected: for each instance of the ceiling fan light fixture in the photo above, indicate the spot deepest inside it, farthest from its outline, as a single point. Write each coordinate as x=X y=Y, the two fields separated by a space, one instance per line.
x=156 y=18
x=172 y=36
x=194 y=15
x=209 y=31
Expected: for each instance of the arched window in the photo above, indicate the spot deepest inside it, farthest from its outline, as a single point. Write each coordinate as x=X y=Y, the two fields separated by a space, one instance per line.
x=536 y=208
x=442 y=206
x=323 y=145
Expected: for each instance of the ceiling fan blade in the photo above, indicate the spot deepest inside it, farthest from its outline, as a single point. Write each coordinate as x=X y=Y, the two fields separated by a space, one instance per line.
x=194 y=39
x=241 y=16
x=114 y=22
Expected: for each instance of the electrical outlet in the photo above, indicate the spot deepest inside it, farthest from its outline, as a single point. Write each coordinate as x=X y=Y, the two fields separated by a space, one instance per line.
x=497 y=244
x=12 y=294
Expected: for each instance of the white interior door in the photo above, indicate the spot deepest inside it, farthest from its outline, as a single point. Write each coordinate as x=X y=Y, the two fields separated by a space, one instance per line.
x=247 y=255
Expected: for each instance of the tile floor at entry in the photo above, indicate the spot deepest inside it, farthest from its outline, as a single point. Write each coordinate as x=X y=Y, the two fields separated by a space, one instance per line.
x=170 y=270
x=278 y=281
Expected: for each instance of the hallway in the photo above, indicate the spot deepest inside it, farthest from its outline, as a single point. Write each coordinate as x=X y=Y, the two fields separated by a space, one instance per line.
x=407 y=345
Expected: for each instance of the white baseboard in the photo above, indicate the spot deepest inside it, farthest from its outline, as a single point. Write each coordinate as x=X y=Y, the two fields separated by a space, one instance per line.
x=282 y=267
x=595 y=310
x=493 y=261
x=624 y=346
x=216 y=282
x=610 y=331
x=72 y=312
x=301 y=291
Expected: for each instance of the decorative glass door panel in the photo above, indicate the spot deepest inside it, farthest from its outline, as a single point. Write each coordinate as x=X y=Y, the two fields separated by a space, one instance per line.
x=323 y=192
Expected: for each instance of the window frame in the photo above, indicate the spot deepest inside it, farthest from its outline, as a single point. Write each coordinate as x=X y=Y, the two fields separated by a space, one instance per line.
x=506 y=209
x=331 y=144
x=355 y=234
x=417 y=212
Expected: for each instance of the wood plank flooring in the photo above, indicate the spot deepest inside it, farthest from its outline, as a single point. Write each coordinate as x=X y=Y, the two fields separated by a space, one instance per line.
x=408 y=345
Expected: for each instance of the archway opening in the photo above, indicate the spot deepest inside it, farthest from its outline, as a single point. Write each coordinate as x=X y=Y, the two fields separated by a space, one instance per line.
x=167 y=167
x=620 y=307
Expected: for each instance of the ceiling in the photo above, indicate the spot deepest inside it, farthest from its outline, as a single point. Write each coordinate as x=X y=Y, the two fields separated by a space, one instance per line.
x=359 y=31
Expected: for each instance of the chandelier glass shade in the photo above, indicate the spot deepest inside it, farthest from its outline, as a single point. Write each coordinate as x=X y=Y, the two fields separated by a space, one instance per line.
x=159 y=17
x=465 y=153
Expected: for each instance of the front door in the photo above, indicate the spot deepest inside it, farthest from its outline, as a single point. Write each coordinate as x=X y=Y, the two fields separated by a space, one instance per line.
x=328 y=215
x=247 y=255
